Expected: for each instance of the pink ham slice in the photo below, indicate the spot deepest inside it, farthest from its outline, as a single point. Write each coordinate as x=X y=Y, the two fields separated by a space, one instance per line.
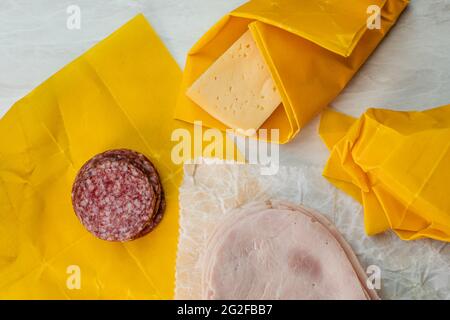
x=276 y=250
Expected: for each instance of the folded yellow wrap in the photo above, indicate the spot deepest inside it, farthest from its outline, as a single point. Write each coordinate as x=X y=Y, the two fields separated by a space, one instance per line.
x=120 y=94
x=312 y=48
x=397 y=164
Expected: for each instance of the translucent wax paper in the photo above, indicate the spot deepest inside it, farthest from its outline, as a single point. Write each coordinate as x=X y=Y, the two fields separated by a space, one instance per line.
x=409 y=269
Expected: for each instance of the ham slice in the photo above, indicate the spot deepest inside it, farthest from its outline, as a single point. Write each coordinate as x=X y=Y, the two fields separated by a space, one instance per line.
x=276 y=250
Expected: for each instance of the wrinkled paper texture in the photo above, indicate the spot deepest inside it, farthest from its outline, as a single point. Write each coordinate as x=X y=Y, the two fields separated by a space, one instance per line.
x=409 y=270
x=119 y=94
x=327 y=40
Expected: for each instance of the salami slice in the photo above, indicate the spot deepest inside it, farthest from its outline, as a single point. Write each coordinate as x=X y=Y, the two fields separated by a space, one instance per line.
x=118 y=196
x=141 y=162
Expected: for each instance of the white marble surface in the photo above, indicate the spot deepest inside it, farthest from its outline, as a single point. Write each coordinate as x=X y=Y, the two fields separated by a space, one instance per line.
x=410 y=69
x=35 y=42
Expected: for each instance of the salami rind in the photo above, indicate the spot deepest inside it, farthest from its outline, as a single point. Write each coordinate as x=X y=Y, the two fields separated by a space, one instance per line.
x=118 y=196
x=156 y=219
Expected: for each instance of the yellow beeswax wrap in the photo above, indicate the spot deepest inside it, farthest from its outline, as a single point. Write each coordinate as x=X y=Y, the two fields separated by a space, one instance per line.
x=397 y=165
x=312 y=48
x=119 y=94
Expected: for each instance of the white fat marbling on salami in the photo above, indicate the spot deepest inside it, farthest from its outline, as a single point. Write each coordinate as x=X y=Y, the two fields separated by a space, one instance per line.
x=118 y=196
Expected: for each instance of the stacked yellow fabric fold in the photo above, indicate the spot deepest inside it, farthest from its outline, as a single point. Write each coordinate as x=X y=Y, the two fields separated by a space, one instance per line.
x=311 y=48
x=119 y=94
x=397 y=164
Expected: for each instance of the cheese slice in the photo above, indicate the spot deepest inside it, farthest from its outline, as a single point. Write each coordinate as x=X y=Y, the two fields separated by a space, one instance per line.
x=237 y=89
